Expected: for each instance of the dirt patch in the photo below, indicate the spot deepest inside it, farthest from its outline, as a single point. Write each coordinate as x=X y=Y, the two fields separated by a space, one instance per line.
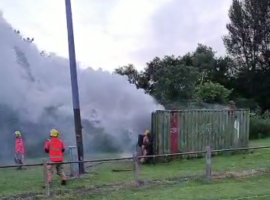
x=240 y=174
x=24 y=196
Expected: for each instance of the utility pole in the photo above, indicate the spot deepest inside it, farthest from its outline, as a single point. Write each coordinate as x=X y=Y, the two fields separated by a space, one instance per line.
x=74 y=86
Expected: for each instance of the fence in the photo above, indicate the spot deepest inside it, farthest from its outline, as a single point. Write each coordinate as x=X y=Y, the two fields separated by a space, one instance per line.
x=192 y=130
x=136 y=167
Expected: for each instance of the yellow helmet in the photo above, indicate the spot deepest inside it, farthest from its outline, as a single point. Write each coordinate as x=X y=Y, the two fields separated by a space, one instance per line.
x=54 y=133
x=18 y=134
x=147 y=132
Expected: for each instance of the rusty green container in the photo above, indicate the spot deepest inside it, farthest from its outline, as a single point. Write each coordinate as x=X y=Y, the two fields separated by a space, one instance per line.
x=192 y=130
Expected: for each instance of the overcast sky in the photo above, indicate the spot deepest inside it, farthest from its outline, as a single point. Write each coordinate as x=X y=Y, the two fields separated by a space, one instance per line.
x=111 y=33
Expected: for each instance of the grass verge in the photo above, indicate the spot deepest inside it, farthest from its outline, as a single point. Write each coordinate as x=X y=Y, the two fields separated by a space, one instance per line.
x=175 y=180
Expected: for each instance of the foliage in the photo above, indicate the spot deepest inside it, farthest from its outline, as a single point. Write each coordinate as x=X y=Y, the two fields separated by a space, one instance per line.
x=210 y=92
x=259 y=127
x=131 y=73
x=248 y=42
x=172 y=80
x=244 y=72
x=165 y=85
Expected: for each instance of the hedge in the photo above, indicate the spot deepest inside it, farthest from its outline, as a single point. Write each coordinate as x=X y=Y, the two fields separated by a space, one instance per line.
x=259 y=127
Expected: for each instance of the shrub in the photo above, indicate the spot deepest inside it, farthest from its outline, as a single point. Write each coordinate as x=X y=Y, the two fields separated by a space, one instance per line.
x=211 y=92
x=259 y=127
x=247 y=103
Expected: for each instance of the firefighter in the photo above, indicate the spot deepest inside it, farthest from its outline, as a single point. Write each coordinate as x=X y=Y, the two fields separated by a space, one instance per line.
x=55 y=147
x=145 y=144
x=19 y=150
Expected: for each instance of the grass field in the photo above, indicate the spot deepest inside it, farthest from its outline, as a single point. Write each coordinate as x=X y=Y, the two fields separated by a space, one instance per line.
x=234 y=177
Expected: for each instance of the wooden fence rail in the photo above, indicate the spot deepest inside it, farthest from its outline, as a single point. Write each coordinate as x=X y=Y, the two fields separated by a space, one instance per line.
x=136 y=167
x=139 y=157
x=208 y=172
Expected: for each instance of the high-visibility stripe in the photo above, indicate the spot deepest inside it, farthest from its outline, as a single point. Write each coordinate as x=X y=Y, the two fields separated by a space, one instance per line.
x=56 y=156
x=56 y=149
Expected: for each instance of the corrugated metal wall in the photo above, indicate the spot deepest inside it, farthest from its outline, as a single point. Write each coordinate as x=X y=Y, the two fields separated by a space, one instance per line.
x=193 y=130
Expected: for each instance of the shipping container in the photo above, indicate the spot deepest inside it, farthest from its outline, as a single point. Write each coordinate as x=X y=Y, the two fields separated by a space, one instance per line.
x=177 y=131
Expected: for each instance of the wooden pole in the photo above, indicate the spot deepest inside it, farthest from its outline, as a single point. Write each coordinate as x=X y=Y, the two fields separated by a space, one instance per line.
x=135 y=169
x=45 y=175
x=208 y=163
x=74 y=86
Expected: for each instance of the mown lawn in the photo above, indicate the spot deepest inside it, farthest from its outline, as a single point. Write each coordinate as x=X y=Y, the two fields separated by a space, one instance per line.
x=256 y=188
x=13 y=182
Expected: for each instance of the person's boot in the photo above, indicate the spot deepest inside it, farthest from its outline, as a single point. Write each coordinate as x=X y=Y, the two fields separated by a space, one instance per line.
x=63 y=182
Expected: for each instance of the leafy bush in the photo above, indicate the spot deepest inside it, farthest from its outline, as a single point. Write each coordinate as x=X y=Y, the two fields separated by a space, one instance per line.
x=247 y=103
x=211 y=92
x=259 y=127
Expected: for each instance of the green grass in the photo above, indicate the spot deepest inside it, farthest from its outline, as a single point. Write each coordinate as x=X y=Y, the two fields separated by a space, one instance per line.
x=101 y=182
x=254 y=188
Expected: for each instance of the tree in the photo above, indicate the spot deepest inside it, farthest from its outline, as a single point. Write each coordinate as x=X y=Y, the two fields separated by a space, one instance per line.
x=248 y=43
x=204 y=59
x=210 y=92
x=169 y=79
x=132 y=74
x=224 y=72
x=211 y=68
x=172 y=80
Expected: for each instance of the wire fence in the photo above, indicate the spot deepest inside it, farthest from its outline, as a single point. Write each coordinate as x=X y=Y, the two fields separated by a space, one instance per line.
x=136 y=175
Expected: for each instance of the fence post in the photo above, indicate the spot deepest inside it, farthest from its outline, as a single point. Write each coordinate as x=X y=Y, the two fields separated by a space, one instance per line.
x=208 y=162
x=135 y=168
x=45 y=175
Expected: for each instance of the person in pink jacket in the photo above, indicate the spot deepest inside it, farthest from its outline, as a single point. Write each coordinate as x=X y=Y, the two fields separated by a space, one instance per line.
x=19 y=150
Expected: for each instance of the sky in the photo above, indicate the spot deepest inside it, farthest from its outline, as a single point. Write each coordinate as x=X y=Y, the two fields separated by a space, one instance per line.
x=113 y=33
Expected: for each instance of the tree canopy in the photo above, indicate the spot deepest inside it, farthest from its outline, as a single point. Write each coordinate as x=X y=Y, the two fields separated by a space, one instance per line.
x=242 y=75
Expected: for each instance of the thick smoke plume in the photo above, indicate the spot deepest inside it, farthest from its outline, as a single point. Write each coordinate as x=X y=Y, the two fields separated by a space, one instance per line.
x=35 y=96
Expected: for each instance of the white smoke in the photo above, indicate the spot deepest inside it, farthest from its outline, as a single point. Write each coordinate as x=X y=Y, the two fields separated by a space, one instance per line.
x=31 y=83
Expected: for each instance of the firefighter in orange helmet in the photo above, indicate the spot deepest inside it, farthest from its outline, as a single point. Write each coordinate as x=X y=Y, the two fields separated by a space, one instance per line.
x=146 y=141
x=55 y=147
